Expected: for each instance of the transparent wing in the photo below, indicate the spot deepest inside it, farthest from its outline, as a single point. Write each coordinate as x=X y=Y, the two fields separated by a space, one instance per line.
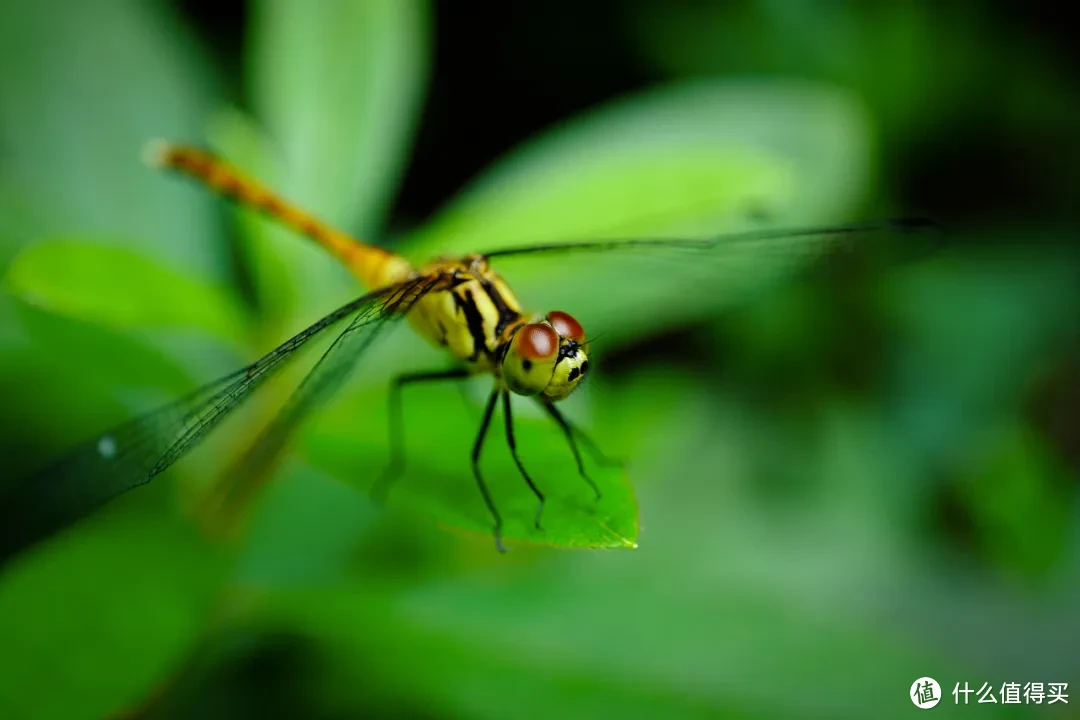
x=627 y=287
x=135 y=452
x=734 y=241
x=329 y=374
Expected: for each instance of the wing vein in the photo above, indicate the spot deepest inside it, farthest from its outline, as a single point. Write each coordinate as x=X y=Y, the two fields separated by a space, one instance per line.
x=136 y=451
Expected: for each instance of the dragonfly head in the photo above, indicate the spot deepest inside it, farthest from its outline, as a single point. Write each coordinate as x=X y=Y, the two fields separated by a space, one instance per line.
x=547 y=357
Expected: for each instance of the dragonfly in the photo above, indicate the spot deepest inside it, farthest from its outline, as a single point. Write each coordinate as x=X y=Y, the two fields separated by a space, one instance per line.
x=461 y=305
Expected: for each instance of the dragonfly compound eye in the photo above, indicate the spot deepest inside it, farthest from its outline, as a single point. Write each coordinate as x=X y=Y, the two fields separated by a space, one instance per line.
x=528 y=365
x=537 y=342
x=566 y=326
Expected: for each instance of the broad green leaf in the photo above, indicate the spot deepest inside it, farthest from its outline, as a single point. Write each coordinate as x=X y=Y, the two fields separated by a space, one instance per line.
x=94 y=621
x=95 y=82
x=691 y=160
x=336 y=90
x=437 y=483
x=338 y=86
x=695 y=151
x=121 y=288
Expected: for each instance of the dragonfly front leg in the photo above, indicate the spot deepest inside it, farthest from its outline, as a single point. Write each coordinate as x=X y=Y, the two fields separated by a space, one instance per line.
x=570 y=432
x=397 y=442
x=484 y=424
x=513 y=451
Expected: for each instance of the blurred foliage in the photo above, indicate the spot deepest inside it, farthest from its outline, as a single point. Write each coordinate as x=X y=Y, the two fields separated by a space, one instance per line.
x=848 y=480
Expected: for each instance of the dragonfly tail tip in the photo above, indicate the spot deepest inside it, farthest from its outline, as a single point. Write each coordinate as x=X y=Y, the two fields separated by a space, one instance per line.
x=155 y=152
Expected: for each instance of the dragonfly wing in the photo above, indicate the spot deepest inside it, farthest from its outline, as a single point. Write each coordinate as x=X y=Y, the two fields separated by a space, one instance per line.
x=135 y=452
x=327 y=376
x=632 y=286
x=720 y=242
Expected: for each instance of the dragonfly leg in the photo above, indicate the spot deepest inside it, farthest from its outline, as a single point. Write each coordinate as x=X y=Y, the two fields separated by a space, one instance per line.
x=397 y=440
x=598 y=455
x=477 y=447
x=570 y=432
x=513 y=451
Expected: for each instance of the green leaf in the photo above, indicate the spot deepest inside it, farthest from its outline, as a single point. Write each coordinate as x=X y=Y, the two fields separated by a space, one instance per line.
x=92 y=621
x=694 y=152
x=339 y=86
x=96 y=81
x=691 y=160
x=437 y=482
x=337 y=92
x=120 y=288
x=337 y=89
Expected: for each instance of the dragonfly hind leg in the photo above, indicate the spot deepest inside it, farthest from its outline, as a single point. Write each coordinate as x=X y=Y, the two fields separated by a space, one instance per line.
x=572 y=433
x=397 y=444
x=513 y=451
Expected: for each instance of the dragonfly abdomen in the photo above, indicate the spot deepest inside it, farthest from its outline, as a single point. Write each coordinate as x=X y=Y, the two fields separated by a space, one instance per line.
x=373 y=266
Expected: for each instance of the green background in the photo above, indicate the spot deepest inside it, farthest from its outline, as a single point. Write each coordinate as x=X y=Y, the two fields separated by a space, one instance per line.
x=850 y=473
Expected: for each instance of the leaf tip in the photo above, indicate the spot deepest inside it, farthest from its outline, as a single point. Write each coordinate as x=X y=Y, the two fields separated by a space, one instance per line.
x=619 y=541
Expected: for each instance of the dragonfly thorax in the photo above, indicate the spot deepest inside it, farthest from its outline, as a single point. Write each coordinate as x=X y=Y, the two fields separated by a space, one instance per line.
x=475 y=316
x=469 y=314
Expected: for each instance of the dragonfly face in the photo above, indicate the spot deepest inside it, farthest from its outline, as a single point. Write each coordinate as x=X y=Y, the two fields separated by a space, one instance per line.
x=546 y=358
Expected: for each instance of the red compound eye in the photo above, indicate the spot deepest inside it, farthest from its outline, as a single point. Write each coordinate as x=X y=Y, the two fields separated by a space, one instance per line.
x=566 y=325
x=536 y=342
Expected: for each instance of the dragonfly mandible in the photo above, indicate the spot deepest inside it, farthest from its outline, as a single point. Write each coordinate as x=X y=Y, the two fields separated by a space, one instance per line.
x=459 y=304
